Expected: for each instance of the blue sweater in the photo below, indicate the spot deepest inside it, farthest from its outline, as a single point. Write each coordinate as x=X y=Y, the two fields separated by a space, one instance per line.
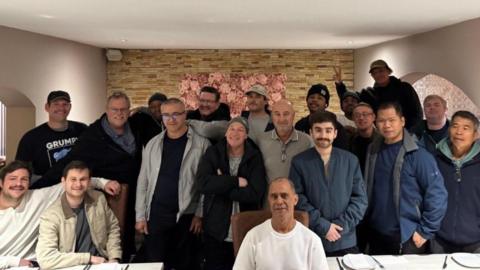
x=338 y=198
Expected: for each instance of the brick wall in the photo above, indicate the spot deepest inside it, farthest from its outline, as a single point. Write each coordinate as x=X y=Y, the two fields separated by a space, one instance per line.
x=142 y=72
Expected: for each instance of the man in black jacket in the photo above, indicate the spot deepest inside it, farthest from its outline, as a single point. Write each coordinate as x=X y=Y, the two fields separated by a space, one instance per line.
x=318 y=98
x=388 y=89
x=231 y=175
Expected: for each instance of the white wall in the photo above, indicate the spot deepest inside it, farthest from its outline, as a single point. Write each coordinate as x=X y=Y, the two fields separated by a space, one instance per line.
x=451 y=52
x=35 y=64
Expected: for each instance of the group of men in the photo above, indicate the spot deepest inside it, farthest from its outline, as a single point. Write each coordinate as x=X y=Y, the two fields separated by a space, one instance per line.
x=373 y=181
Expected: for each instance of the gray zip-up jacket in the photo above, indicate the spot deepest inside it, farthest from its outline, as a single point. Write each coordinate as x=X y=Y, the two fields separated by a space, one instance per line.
x=188 y=194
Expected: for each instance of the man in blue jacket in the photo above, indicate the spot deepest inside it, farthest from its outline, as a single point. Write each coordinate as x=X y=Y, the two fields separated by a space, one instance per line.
x=458 y=159
x=406 y=195
x=330 y=187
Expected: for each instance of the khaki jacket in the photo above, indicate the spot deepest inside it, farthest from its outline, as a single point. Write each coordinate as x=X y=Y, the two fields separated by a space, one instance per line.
x=56 y=241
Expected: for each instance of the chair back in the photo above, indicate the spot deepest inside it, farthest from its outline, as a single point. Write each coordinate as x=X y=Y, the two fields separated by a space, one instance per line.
x=118 y=204
x=245 y=221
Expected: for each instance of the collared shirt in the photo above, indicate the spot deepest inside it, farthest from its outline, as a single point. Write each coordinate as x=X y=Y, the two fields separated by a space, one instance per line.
x=126 y=140
x=278 y=155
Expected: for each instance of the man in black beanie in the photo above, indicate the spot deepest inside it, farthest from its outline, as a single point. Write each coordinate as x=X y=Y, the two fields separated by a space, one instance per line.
x=318 y=98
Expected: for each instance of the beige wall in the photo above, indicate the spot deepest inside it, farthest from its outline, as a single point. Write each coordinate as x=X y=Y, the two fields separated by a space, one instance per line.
x=19 y=120
x=142 y=72
x=451 y=52
x=35 y=64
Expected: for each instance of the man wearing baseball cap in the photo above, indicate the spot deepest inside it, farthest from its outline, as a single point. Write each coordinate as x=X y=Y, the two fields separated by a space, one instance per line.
x=318 y=98
x=48 y=143
x=258 y=115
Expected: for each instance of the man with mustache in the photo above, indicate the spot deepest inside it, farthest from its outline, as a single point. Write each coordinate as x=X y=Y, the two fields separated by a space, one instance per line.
x=48 y=143
x=281 y=242
x=20 y=210
x=330 y=187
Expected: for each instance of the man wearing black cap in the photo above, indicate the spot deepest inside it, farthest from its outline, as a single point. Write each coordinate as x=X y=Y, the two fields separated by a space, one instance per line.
x=46 y=144
x=388 y=88
x=318 y=97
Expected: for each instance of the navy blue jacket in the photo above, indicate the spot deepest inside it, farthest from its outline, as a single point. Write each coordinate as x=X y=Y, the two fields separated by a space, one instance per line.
x=419 y=194
x=338 y=198
x=461 y=225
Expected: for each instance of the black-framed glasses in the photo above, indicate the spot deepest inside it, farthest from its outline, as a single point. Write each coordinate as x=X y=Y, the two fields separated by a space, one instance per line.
x=174 y=116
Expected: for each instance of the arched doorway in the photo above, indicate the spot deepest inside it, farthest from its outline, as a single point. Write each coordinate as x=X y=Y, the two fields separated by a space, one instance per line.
x=18 y=116
x=426 y=84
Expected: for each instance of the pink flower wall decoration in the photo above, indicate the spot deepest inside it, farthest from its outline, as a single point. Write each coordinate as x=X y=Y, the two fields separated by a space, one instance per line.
x=232 y=88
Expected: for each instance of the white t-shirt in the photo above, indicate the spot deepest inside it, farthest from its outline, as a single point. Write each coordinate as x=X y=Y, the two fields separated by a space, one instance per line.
x=19 y=226
x=264 y=248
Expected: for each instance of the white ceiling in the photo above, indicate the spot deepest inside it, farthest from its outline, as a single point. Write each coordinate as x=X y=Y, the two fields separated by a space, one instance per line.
x=236 y=24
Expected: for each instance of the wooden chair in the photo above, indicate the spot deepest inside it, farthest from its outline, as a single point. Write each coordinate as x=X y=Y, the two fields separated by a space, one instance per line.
x=244 y=221
x=118 y=204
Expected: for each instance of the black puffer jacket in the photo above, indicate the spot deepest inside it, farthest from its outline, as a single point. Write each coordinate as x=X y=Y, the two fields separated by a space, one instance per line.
x=221 y=189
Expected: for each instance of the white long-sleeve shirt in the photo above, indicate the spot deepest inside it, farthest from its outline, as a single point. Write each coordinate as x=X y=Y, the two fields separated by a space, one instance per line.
x=19 y=226
x=264 y=248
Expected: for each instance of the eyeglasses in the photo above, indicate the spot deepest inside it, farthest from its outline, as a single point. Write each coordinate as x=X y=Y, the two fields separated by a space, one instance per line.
x=284 y=153
x=121 y=110
x=174 y=116
x=206 y=101
x=358 y=115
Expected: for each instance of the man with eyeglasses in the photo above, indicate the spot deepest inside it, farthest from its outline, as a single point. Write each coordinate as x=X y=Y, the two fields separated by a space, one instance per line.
x=168 y=208
x=48 y=143
x=209 y=106
x=113 y=150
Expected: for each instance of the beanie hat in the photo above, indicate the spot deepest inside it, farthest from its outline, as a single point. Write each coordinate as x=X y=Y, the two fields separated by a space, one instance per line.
x=240 y=120
x=321 y=90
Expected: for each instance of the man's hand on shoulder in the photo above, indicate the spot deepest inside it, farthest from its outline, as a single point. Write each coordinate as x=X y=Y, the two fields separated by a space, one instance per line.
x=112 y=187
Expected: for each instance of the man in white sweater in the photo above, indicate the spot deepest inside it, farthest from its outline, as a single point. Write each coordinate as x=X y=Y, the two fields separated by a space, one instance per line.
x=20 y=210
x=281 y=242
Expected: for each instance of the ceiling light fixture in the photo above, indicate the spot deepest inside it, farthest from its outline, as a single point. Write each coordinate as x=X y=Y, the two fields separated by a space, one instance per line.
x=46 y=16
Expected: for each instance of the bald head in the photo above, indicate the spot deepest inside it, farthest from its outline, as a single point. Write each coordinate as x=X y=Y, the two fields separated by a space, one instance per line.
x=283 y=104
x=283 y=116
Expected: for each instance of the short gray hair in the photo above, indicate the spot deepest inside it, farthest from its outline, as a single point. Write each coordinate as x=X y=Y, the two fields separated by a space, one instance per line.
x=118 y=95
x=280 y=179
